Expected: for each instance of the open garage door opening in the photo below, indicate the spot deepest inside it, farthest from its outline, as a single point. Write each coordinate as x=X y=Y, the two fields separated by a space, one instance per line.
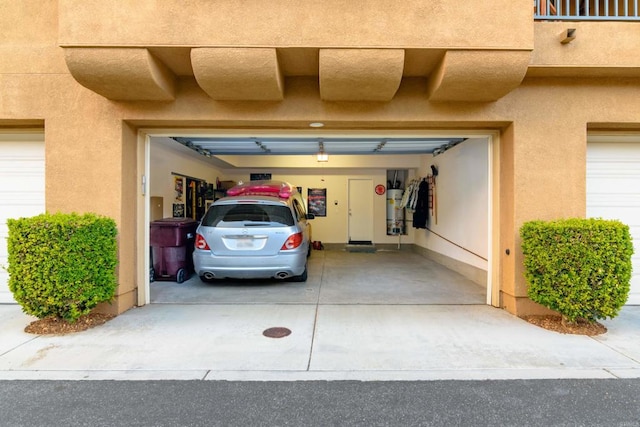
x=443 y=260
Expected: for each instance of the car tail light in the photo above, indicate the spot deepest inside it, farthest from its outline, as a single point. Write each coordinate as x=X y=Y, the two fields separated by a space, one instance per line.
x=292 y=242
x=201 y=243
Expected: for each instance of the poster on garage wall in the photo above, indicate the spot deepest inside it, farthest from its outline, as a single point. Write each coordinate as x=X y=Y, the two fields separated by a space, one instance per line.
x=178 y=186
x=178 y=210
x=260 y=176
x=317 y=201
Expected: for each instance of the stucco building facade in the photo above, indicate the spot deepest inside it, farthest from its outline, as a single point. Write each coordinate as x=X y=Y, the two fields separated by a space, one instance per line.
x=99 y=79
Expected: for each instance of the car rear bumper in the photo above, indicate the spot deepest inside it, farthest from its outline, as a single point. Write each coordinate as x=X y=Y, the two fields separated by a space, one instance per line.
x=280 y=266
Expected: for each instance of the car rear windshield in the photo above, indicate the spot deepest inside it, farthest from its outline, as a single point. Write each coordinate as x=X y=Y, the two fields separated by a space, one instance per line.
x=248 y=213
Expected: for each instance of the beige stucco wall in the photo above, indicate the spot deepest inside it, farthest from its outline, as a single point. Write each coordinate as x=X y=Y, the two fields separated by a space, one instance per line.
x=335 y=23
x=91 y=142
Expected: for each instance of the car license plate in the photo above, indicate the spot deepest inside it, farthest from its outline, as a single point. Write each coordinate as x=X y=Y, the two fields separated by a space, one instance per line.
x=245 y=243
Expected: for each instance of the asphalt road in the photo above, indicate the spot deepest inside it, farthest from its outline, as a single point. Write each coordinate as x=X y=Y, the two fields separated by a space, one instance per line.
x=321 y=403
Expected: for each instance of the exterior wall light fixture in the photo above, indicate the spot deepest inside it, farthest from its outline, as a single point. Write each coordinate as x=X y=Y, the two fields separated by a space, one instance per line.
x=567 y=35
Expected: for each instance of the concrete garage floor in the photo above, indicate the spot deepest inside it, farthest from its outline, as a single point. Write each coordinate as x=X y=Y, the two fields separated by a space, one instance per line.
x=338 y=277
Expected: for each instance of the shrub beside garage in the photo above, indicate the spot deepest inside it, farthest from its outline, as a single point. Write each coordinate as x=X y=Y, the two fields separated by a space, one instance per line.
x=62 y=265
x=580 y=268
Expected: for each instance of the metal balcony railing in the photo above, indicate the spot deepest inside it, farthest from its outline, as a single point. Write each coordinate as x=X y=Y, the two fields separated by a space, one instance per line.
x=586 y=10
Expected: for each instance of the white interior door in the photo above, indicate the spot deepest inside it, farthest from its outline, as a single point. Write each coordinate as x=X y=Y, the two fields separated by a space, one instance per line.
x=21 y=189
x=613 y=192
x=361 y=210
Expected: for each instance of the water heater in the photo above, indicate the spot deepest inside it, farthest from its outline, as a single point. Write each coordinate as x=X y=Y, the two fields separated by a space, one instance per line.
x=395 y=214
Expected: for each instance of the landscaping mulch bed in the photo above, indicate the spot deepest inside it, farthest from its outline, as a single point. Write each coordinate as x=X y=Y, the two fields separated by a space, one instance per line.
x=55 y=326
x=554 y=323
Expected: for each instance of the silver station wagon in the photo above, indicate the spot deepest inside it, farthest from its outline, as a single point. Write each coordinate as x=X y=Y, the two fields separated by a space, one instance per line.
x=259 y=231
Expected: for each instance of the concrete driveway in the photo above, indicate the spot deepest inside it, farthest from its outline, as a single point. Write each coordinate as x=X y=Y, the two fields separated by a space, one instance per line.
x=379 y=327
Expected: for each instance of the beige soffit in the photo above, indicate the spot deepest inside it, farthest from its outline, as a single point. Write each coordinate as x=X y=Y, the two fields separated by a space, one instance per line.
x=239 y=74
x=360 y=74
x=121 y=74
x=480 y=75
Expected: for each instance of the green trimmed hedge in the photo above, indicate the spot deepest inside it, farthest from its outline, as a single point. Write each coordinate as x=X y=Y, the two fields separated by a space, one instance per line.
x=62 y=265
x=580 y=268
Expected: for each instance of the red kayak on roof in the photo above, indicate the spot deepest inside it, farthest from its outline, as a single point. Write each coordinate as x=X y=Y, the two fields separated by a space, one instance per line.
x=281 y=189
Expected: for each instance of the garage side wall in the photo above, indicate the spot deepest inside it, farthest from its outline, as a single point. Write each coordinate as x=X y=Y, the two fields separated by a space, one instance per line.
x=458 y=224
x=164 y=162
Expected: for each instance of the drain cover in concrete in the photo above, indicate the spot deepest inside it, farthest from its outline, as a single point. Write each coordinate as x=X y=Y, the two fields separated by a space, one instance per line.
x=276 y=332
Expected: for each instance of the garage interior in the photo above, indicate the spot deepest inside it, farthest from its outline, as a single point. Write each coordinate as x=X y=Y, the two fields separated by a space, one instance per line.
x=446 y=263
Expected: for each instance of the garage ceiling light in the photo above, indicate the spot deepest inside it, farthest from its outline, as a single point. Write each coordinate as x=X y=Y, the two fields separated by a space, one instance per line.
x=322 y=156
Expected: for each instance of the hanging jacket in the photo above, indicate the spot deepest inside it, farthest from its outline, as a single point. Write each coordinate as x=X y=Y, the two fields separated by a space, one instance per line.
x=421 y=213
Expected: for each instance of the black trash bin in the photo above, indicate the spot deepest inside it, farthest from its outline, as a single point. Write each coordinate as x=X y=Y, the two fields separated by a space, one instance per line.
x=172 y=241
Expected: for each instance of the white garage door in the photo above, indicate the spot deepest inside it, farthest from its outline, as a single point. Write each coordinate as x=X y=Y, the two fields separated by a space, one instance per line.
x=613 y=192
x=21 y=189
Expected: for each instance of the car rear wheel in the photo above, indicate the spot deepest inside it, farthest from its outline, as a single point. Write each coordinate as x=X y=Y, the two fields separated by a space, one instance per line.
x=302 y=277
